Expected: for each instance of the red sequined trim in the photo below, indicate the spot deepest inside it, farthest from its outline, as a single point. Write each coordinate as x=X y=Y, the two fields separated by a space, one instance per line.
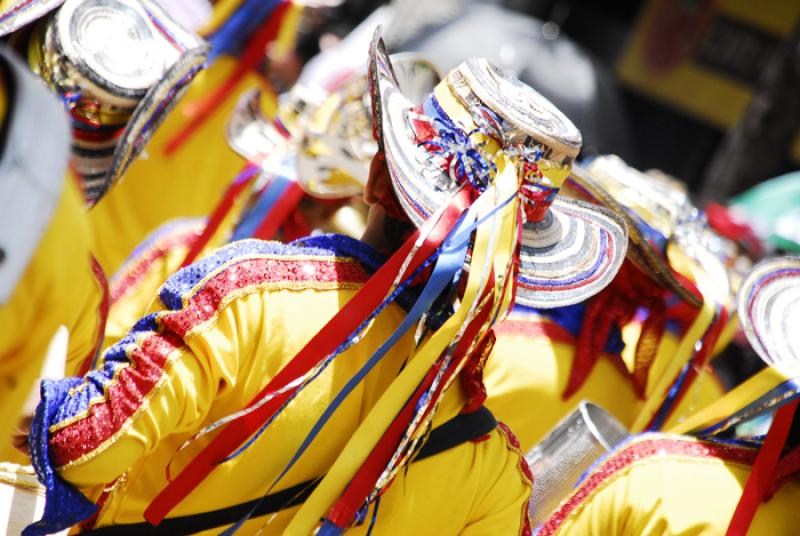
x=472 y=374
x=635 y=452
x=135 y=269
x=122 y=399
x=286 y=273
x=125 y=395
x=527 y=476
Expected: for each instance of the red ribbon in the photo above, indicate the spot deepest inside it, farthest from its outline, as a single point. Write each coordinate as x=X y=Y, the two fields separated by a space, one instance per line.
x=615 y=306
x=201 y=110
x=722 y=221
x=327 y=340
x=242 y=181
x=343 y=512
x=279 y=212
x=762 y=476
x=102 y=314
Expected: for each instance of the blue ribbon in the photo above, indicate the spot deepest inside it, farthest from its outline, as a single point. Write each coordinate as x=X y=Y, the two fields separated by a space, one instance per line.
x=266 y=200
x=230 y=37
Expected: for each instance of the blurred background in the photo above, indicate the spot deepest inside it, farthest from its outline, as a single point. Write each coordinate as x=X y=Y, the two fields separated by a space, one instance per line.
x=705 y=90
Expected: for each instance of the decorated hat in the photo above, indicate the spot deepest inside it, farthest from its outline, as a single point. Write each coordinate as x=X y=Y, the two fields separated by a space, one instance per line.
x=30 y=186
x=118 y=66
x=255 y=137
x=569 y=250
x=611 y=183
x=769 y=311
x=661 y=218
x=337 y=147
x=328 y=134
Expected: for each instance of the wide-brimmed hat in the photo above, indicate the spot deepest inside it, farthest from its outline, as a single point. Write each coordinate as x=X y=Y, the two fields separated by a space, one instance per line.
x=660 y=215
x=608 y=181
x=769 y=311
x=329 y=134
x=257 y=138
x=569 y=250
x=336 y=149
x=118 y=65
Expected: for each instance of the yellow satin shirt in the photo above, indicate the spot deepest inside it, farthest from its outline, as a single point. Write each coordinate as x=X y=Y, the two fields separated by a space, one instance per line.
x=59 y=288
x=669 y=485
x=218 y=332
x=530 y=365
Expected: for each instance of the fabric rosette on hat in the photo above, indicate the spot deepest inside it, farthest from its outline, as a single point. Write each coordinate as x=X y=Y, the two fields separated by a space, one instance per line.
x=569 y=250
x=118 y=66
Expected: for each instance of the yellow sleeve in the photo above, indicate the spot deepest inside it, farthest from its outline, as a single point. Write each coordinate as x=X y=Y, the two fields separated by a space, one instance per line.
x=660 y=485
x=503 y=505
x=57 y=289
x=152 y=384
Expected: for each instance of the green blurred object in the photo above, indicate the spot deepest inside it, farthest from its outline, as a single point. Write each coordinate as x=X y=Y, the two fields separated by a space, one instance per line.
x=773 y=210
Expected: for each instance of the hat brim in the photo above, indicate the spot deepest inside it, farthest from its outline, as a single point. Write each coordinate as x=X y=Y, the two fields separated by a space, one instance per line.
x=250 y=134
x=24 y=12
x=769 y=311
x=147 y=117
x=641 y=251
x=332 y=164
x=157 y=102
x=571 y=255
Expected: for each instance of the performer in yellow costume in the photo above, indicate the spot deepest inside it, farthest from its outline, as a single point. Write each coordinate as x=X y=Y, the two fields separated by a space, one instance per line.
x=541 y=358
x=47 y=275
x=663 y=484
x=189 y=162
x=342 y=384
x=305 y=181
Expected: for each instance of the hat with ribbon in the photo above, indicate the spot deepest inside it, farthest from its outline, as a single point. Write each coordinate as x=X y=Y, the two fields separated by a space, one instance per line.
x=769 y=311
x=118 y=66
x=569 y=250
x=659 y=215
x=769 y=308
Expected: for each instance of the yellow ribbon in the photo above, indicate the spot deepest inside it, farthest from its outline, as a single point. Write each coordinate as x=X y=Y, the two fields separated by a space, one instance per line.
x=732 y=402
x=656 y=391
x=502 y=226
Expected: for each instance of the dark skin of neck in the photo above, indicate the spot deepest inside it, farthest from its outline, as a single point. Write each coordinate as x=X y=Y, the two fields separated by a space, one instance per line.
x=379 y=185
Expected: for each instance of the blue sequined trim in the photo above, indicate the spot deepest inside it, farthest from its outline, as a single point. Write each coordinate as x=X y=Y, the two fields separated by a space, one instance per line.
x=65 y=506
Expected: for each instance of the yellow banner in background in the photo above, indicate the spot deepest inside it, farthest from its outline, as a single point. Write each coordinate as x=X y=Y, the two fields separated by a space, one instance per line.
x=704 y=57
